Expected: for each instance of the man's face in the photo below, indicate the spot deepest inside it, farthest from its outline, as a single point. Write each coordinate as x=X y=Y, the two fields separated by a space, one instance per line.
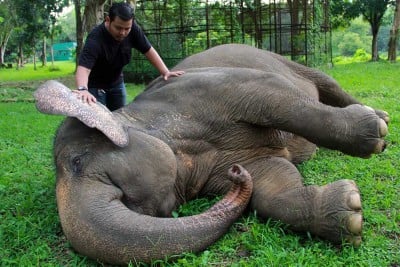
x=118 y=28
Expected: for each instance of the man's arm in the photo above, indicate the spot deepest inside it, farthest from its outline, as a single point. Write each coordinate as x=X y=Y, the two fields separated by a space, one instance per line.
x=81 y=80
x=82 y=76
x=159 y=64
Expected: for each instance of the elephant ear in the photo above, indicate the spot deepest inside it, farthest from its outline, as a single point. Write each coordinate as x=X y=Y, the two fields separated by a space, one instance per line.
x=53 y=97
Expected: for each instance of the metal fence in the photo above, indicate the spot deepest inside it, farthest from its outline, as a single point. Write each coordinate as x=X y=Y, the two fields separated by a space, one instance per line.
x=298 y=29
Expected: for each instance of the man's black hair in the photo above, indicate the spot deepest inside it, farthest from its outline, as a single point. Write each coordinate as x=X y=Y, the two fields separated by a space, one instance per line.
x=122 y=10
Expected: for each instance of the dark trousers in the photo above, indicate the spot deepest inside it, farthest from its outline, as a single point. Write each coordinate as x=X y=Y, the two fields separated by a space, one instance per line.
x=113 y=98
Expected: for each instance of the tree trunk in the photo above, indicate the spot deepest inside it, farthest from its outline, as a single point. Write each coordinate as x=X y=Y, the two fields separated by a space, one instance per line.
x=373 y=12
x=296 y=9
x=20 y=57
x=2 y=48
x=43 y=56
x=34 y=58
x=374 y=50
x=93 y=14
x=394 y=34
x=3 y=44
x=257 y=23
x=79 y=30
x=52 y=51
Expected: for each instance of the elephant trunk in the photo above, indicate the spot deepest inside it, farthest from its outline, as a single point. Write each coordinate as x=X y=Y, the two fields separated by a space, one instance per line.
x=103 y=228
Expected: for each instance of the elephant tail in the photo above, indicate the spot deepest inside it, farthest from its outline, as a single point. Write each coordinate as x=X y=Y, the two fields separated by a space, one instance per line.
x=103 y=228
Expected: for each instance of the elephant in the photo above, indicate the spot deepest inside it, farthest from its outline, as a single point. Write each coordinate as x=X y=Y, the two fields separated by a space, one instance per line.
x=238 y=122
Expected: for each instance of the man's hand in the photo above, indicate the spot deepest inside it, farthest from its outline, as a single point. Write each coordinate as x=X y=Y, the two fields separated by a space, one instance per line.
x=173 y=74
x=85 y=96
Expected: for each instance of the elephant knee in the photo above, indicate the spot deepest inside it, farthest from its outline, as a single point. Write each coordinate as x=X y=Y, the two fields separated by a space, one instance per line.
x=273 y=178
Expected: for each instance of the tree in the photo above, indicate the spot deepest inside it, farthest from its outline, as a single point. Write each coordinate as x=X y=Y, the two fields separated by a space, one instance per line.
x=29 y=27
x=32 y=21
x=342 y=12
x=79 y=29
x=394 y=34
x=55 y=29
x=371 y=10
x=7 y=25
x=93 y=14
x=51 y=8
x=67 y=22
x=350 y=43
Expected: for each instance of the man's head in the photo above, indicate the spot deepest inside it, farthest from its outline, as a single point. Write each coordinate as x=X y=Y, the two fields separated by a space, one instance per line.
x=119 y=20
x=122 y=10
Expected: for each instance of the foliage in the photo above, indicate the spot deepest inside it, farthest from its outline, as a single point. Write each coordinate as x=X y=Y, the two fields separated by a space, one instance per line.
x=68 y=27
x=31 y=21
x=350 y=43
x=31 y=235
x=343 y=11
x=372 y=11
x=346 y=40
x=361 y=55
x=7 y=22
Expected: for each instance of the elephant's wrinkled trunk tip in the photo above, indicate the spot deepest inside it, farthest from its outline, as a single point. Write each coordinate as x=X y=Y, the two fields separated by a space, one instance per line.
x=238 y=175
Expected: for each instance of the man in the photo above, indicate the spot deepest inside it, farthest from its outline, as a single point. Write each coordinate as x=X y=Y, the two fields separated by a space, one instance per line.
x=106 y=51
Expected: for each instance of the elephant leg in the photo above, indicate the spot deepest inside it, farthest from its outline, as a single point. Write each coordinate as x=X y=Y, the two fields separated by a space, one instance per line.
x=300 y=149
x=332 y=211
x=330 y=93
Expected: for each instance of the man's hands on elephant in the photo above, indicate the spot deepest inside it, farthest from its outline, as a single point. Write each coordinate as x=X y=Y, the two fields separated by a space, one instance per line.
x=173 y=74
x=85 y=96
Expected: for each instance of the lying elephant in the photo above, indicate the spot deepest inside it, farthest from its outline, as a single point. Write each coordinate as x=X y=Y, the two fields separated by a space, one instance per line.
x=121 y=174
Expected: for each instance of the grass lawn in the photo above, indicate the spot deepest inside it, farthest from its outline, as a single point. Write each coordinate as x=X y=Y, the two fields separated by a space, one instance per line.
x=27 y=73
x=30 y=231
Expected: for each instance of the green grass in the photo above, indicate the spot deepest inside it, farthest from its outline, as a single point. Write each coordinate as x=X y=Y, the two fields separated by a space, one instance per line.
x=31 y=235
x=60 y=69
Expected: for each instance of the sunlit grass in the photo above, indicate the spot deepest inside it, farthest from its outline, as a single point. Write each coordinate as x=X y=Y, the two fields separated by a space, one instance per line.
x=59 y=69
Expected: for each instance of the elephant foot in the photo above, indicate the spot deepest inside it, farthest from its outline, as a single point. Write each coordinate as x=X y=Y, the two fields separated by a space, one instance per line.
x=339 y=213
x=365 y=129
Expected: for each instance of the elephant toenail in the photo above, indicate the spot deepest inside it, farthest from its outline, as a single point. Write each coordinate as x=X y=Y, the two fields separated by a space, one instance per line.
x=354 y=225
x=380 y=147
x=354 y=240
x=383 y=129
x=354 y=201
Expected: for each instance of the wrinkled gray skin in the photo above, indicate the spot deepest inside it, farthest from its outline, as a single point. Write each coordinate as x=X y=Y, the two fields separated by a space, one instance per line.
x=176 y=141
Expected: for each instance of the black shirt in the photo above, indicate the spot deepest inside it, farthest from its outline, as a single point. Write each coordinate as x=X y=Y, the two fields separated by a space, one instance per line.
x=106 y=57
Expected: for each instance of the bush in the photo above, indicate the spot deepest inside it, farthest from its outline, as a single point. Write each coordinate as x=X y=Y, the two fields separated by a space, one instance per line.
x=361 y=55
x=350 y=43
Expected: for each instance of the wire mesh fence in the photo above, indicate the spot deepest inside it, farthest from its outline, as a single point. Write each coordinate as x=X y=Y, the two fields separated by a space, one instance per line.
x=298 y=29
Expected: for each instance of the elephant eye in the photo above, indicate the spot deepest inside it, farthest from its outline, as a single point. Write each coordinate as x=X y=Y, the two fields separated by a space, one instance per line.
x=76 y=164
